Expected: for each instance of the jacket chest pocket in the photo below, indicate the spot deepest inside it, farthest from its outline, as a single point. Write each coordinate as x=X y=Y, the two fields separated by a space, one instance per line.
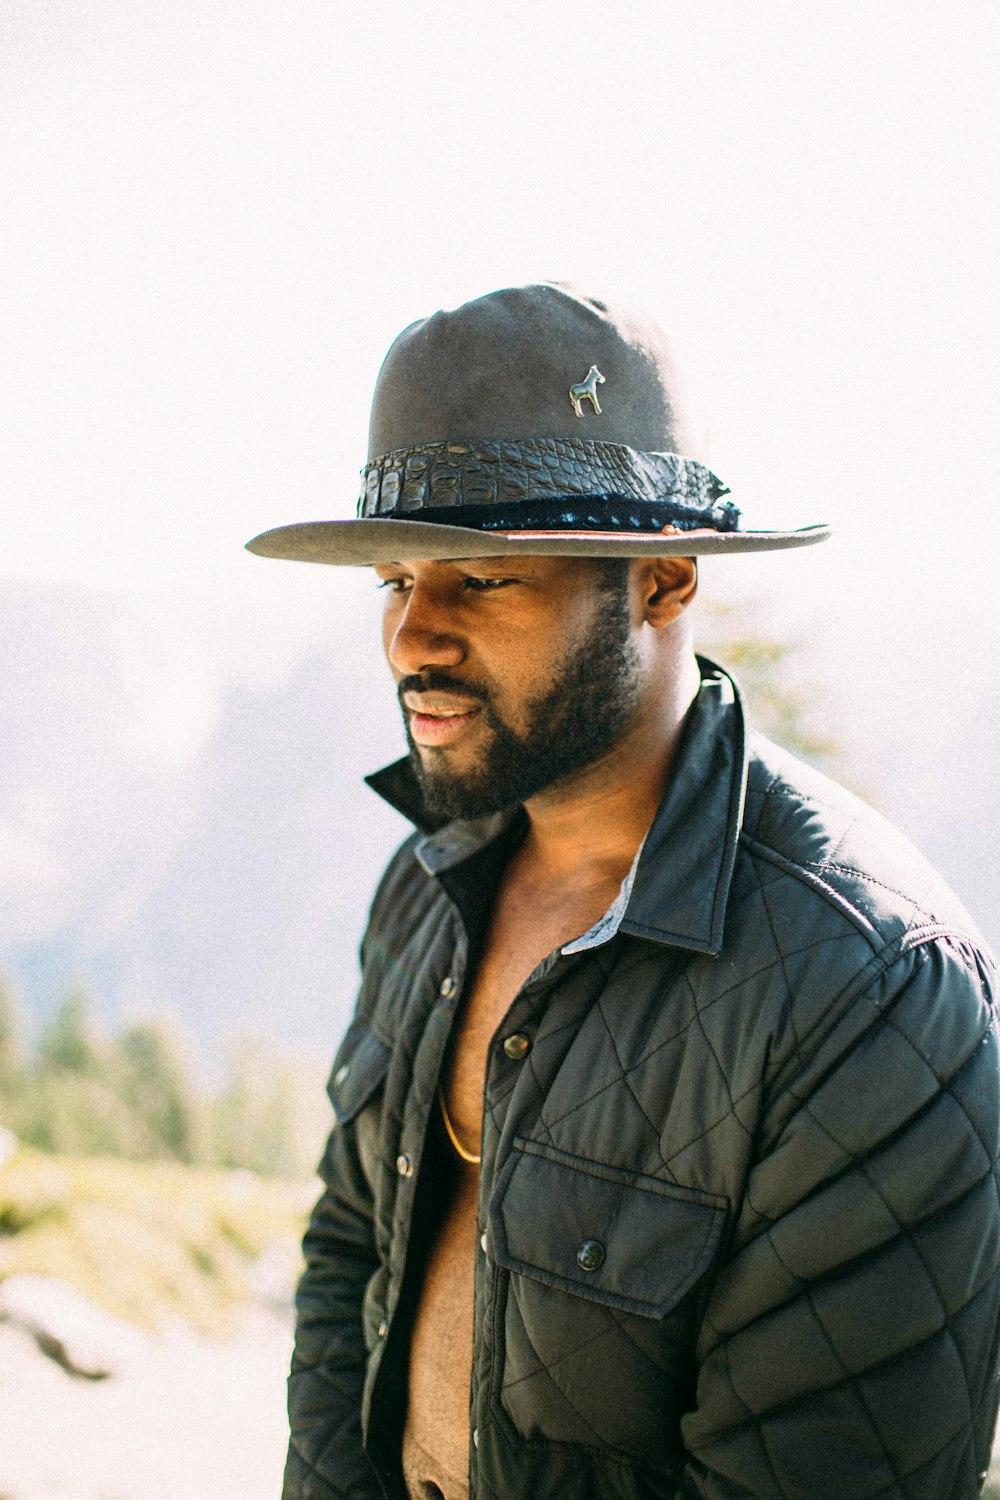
x=359 y=1070
x=598 y=1327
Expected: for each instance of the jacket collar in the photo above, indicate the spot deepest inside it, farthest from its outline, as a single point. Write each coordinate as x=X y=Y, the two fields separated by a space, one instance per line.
x=677 y=890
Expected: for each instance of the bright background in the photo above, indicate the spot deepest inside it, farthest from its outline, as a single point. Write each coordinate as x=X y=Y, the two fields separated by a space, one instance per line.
x=215 y=216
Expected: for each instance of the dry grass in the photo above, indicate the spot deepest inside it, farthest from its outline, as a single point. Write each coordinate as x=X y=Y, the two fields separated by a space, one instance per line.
x=150 y=1241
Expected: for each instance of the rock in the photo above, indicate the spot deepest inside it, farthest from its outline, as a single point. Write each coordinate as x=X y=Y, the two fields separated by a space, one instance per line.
x=84 y=1339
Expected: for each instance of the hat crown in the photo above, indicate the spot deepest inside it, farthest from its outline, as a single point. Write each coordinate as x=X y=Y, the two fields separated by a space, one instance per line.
x=501 y=366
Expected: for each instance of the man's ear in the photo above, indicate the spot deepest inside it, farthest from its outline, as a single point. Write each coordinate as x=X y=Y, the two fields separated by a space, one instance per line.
x=667 y=587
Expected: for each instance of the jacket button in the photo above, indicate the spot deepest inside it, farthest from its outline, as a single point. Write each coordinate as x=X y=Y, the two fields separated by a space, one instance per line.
x=590 y=1256
x=341 y=1075
x=482 y=1242
x=404 y=1165
x=383 y=1329
x=447 y=988
x=475 y=1437
x=517 y=1046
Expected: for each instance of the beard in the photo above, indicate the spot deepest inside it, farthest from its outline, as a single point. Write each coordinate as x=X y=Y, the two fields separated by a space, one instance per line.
x=573 y=724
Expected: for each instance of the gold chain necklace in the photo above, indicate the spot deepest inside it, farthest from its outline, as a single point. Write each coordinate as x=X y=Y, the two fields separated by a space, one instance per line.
x=449 y=1127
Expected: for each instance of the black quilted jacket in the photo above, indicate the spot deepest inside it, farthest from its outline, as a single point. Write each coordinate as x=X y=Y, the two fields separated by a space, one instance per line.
x=764 y=1087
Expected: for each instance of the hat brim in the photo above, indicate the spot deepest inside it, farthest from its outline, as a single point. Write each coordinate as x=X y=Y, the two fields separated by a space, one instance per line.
x=361 y=543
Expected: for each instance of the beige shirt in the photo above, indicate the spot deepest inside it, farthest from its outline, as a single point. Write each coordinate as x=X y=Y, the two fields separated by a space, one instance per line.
x=436 y=1436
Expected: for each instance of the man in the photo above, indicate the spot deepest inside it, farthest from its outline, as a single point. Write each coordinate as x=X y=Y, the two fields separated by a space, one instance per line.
x=667 y=1125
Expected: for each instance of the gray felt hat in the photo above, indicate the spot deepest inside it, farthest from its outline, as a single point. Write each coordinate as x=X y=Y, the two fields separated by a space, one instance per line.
x=532 y=420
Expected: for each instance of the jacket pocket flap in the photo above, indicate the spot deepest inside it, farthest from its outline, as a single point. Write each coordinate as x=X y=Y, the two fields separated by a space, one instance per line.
x=613 y=1236
x=360 y=1065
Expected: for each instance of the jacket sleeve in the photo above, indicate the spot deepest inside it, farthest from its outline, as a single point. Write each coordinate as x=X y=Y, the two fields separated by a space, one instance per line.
x=325 y=1454
x=850 y=1343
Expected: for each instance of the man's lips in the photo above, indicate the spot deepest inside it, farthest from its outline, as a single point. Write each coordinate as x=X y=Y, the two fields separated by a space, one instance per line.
x=436 y=720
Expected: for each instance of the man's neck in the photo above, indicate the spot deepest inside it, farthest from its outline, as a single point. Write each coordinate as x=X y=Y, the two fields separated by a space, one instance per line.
x=589 y=826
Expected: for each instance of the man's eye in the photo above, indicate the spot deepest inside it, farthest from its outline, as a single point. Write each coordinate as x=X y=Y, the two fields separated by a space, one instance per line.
x=485 y=585
x=396 y=585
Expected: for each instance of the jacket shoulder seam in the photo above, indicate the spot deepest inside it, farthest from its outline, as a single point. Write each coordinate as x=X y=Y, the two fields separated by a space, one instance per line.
x=811 y=875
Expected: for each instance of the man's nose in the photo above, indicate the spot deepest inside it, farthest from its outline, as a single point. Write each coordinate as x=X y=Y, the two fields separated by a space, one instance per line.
x=421 y=635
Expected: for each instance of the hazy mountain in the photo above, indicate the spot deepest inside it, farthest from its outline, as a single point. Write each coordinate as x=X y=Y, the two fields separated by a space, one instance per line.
x=223 y=874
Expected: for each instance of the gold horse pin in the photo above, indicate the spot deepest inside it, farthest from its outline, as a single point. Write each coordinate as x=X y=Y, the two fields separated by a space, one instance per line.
x=586 y=390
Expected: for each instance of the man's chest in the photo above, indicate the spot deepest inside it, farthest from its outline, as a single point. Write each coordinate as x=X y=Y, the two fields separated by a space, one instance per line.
x=527 y=924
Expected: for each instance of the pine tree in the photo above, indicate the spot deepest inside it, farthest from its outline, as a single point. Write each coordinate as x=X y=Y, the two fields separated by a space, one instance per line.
x=782 y=705
x=11 y=1056
x=148 y=1075
x=68 y=1040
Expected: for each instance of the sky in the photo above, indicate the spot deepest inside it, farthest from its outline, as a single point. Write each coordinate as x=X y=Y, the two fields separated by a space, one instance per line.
x=217 y=215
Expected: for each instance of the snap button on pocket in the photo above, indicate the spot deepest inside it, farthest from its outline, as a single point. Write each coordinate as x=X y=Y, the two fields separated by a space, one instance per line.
x=590 y=1256
x=359 y=1073
x=404 y=1165
x=447 y=988
x=517 y=1046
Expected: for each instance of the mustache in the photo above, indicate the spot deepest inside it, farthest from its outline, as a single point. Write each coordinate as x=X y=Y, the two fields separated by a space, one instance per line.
x=439 y=682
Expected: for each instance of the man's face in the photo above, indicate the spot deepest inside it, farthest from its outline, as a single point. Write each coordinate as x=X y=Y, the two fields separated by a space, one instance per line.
x=513 y=673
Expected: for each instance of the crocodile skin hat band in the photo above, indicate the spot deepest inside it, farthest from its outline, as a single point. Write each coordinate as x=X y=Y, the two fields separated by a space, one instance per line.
x=532 y=420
